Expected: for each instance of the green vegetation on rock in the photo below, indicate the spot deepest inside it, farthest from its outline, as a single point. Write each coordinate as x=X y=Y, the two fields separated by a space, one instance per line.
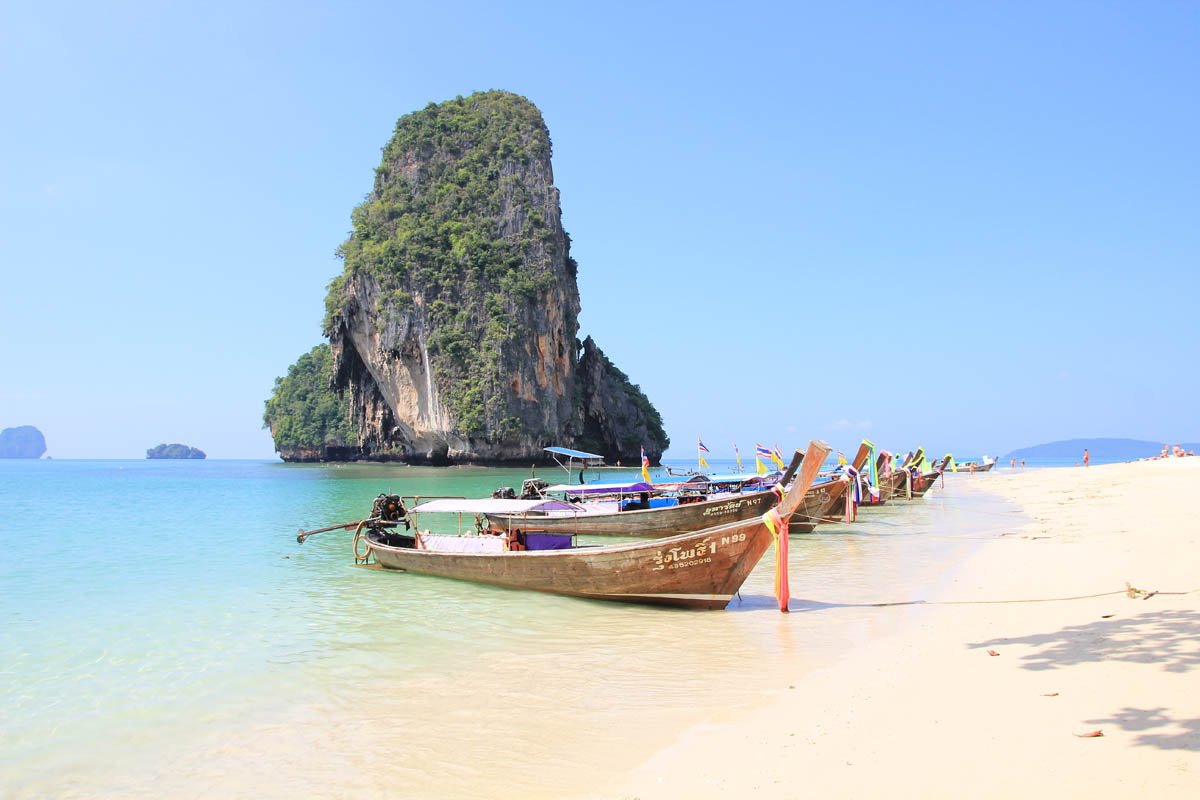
x=175 y=451
x=451 y=220
x=303 y=412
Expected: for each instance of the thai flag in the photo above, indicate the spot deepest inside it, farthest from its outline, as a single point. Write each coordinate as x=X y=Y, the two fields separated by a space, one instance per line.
x=703 y=449
x=778 y=455
x=759 y=450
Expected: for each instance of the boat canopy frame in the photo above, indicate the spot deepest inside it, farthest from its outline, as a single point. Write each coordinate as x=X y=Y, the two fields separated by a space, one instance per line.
x=558 y=453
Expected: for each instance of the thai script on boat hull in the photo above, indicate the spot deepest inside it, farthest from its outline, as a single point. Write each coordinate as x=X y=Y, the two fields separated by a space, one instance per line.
x=679 y=557
x=729 y=507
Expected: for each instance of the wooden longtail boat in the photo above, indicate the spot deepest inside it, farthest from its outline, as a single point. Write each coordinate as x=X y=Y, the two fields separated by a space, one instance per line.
x=924 y=482
x=655 y=522
x=890 y=486
x=836 y=512
x=975 y=466
x=816 y=504
x=702 y=569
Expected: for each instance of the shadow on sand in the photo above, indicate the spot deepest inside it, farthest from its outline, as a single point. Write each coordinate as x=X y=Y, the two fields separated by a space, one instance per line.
x=1185 y=736
x=1170 y=639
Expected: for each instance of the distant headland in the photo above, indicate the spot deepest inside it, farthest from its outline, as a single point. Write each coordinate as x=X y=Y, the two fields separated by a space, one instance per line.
x=1098 y=449
x=174 y=451
x=24 y=441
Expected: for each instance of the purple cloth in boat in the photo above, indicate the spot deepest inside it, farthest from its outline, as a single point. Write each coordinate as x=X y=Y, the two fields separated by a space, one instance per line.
x=548 y=541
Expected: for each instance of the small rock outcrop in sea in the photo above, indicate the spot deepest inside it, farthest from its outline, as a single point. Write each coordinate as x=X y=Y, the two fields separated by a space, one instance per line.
x=23 y=441
x=174 y=451
x=453 y=328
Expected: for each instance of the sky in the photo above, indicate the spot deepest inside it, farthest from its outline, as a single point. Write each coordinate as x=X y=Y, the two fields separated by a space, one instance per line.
x=972 y=227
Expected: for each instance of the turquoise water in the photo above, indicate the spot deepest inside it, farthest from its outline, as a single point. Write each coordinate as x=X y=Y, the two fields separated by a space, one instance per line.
x=166 y=635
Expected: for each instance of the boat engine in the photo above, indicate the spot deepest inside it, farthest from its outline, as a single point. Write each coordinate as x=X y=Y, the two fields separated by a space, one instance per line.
x=504 y=493
x=531 y=488
x=389 y=508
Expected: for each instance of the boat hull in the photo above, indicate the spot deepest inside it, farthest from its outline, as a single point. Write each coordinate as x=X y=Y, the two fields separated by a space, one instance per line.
x=924 y=482
x=700 y=570
x=818 y=506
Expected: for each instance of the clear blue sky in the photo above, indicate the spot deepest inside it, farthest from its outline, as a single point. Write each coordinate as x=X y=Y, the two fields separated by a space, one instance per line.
x=969 y=226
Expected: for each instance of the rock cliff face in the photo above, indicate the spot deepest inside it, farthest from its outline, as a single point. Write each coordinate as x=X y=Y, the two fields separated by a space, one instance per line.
x=453 y=327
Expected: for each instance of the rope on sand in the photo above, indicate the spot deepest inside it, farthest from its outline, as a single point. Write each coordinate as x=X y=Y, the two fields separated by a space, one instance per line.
x=1129 y=591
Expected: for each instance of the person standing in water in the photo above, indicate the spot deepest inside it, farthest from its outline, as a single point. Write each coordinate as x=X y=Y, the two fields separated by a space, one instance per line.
x=1086 y=457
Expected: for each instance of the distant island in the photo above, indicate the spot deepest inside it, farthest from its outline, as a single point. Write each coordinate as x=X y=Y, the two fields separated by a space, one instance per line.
x=174 y=451
x=24 y=441
x=1098 y=449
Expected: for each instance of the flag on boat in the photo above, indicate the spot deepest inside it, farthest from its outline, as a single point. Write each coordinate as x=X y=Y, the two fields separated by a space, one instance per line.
x=777 y=457
x=738 y=456
x=761 y=451
x=760 y=469
x=703 y=449
x=841 y=458
x=645 y=466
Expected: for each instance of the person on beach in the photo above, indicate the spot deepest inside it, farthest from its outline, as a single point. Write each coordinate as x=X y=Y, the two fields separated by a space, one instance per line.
x=1086 y=456
x=1014 y=463
x=1022 y=463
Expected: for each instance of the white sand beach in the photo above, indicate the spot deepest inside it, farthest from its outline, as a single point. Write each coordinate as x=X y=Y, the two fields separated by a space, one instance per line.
x=929 y=712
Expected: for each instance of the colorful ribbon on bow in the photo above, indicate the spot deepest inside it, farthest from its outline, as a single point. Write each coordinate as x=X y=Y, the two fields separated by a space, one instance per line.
x=778 y=526
x=856 y=500
x=872 y=468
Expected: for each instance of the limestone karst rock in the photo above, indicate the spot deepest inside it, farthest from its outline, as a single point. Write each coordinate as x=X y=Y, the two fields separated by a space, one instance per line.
x=453 y=328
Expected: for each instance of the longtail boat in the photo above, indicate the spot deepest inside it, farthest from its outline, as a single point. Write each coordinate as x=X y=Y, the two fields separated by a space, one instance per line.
x=976 y=466
x=893 y=478
x=836 y=512
x=924 y=482
x=684 y=514
x=815 y=507
x=702 y=569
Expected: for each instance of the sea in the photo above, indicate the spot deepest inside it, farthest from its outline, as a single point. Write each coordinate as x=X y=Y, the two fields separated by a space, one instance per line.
x=165 y=635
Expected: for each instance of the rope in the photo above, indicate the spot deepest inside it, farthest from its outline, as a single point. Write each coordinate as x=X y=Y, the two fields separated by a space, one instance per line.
x=1129 y=591
x=357 y=536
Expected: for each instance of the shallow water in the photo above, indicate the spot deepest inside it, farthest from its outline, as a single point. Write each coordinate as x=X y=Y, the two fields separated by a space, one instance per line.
x=165 y=635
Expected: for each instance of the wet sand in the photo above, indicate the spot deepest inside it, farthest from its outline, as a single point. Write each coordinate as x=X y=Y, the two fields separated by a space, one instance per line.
x=927 y=711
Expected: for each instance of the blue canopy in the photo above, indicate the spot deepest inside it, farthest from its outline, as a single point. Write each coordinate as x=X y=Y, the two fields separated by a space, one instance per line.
x=564 y=451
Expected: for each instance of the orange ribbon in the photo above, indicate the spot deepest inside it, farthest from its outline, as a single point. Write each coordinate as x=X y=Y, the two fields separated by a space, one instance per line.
x=778 y=526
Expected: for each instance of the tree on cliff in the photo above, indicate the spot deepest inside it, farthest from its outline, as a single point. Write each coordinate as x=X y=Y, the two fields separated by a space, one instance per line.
x=304 y=413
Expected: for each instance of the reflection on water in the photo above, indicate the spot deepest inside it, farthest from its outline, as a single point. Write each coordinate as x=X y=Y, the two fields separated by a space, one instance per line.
x=165 y=634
